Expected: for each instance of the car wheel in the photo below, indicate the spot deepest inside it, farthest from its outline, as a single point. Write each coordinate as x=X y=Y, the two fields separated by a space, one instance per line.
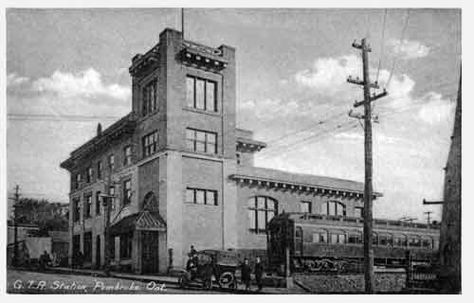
x=227 y=279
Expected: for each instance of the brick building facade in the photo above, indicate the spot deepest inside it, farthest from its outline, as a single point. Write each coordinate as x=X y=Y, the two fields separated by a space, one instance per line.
x=180 y=171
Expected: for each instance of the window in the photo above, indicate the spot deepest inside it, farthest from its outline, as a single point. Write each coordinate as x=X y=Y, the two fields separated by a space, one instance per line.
x=261 y=210
x=359 y=212
x=334 y=208
x=375 y=240
x=127 y=191
x=354 y=238
x=97 y=203
x=201 y=196
x=237 y=155
x=112 y=194
x=320 y=237
x=400 y=241
x=201 y=141
x=414 y=242
x=305 y=207
x=201 y=94
x=89 y=175
x=149 y=143
x=338 y=238
x=99 y=170
x=385 y=240
x=126 y=245
x=78 y=180
x=76 y=210
x=112 y=162
x=427 y=243
x=127 y=155
x=149 y=98
x=88 y=205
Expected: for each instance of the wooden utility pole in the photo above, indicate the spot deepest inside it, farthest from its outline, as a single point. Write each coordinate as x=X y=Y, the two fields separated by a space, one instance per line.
x=368 y=190
x=428 y=215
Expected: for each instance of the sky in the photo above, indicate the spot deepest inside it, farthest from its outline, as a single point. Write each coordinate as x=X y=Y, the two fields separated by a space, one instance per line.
x=67 y=70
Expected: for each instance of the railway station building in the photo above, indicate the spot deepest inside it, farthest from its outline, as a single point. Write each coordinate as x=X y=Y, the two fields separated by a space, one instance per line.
x=181 y=173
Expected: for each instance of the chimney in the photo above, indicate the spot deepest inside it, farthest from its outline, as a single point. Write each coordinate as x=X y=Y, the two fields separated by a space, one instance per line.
x=99 y=129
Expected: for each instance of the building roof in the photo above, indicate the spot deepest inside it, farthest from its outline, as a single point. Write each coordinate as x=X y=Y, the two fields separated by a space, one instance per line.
x=260 y=174
x=125 y=125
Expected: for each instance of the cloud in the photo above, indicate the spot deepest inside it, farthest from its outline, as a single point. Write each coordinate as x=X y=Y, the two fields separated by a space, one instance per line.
x=329 y=74
x=271 y=108
x=14 y=80
x=435 y=109
x=87 y=83
x=409 y=49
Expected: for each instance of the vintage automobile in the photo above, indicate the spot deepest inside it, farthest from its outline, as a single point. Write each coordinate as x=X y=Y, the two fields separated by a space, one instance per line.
x=207 y=266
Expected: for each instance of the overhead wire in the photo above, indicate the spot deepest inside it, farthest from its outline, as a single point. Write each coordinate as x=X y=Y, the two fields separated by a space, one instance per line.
x=402 y=38
x=382 y=45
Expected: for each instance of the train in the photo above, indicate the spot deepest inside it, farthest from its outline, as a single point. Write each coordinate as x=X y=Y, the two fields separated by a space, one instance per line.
x=321 y=243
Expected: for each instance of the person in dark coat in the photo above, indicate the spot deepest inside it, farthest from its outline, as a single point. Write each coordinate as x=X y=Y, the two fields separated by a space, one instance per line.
x=44 y=260
x=246 y=271
x=258 y=271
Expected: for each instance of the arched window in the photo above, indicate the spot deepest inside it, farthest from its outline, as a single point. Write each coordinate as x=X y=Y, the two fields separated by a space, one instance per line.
x=261 y=210
x=334 y=208
x=150 y=202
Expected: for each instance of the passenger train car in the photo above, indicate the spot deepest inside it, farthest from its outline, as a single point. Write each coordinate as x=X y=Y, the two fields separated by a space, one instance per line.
x=334 y=243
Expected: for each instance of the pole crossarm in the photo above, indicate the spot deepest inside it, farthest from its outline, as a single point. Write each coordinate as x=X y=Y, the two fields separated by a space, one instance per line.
x=360 y=82
x=361 y=46
x=432 y=202
x=372 y=98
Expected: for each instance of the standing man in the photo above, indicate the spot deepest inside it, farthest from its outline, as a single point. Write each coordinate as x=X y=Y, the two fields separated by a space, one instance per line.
x=258 y=271
x=246 y=271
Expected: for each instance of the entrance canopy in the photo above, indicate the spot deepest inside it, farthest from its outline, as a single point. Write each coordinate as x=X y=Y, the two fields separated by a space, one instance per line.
x=144 y=220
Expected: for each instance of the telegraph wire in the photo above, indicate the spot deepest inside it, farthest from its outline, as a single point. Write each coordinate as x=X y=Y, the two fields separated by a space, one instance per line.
x=382 y=45
x=405 y=26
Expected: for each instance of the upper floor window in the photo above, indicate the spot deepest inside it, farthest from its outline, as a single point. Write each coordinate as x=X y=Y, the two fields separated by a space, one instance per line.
x=112 y=194
x=201 y=141
x=201 y=94
x=261 y=210
x=334 y=208
x=77 y=180
x=127 y=155
x=149 y=98
x=359 y=211
x=112 y=162
x=127 y=191
x=99 y=170
x=76 y=210
x=149 y=143
x=89 y=175
x=201 y=196
x=305 y=207
x=97 y=203
x=87 y=205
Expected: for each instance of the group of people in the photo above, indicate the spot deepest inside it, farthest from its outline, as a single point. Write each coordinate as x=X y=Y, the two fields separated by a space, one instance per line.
x=245 y=267
x=246 y=272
